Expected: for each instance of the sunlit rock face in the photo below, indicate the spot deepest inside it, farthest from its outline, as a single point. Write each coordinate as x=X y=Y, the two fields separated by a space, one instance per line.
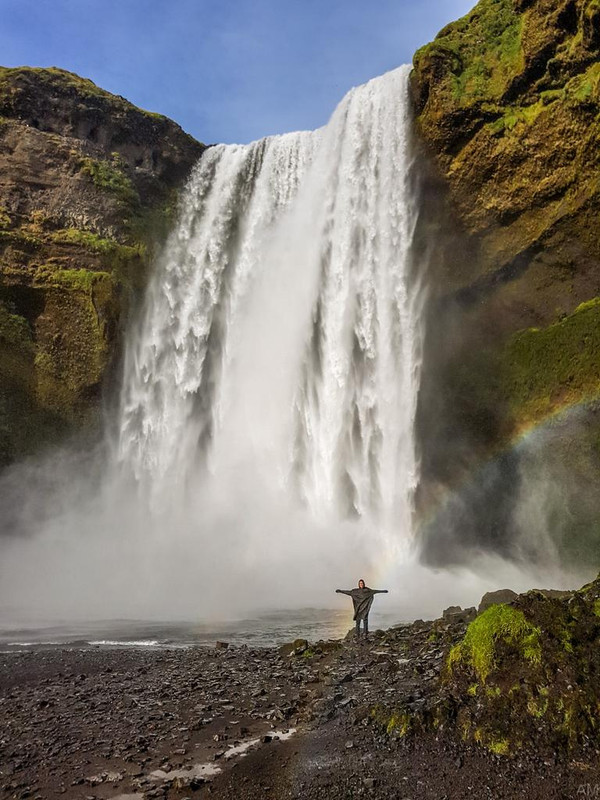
x=506 y=103
x=87 y=188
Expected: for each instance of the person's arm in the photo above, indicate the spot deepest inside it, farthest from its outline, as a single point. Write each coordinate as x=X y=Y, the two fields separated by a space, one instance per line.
x=380 y=591
x=343 y=591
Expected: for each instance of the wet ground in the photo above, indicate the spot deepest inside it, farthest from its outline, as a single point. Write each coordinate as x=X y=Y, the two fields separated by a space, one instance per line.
x=248 y=723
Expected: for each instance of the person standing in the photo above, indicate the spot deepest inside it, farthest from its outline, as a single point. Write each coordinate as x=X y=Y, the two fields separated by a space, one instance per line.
x=362 y=600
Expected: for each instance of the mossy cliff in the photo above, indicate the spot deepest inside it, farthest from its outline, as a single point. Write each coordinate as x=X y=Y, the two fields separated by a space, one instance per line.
x=507 y=106
x=88 y=186
x=527 y=675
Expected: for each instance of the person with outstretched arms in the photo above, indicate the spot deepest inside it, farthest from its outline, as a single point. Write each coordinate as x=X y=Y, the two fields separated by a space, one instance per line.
x=362 y=600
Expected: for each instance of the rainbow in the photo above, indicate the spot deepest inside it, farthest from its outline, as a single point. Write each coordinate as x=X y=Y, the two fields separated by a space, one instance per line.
x=528 y=433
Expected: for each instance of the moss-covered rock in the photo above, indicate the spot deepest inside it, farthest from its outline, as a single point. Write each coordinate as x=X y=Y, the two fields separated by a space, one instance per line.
x=507 y=104
x=498 y=624
x=397 y=722
x=527 y=675
x=89 y=188
x=109 y=176
x=543 y=370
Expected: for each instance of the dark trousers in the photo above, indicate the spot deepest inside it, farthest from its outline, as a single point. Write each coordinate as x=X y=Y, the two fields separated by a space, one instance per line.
x=365 y=622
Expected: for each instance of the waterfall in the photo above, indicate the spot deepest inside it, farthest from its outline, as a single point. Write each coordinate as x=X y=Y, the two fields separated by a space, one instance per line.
x=280 y=341
x=265 y=448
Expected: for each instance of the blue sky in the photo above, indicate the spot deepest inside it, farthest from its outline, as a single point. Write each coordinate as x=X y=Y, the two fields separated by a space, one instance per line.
x=226 y=70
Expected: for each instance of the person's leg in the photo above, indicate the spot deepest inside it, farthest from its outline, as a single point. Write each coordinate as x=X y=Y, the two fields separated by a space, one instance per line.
x=366 y=624
x=357 y=628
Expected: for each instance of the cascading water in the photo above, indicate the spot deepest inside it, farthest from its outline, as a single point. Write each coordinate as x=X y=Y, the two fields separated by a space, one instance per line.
x=281 y=334
x=265 y=449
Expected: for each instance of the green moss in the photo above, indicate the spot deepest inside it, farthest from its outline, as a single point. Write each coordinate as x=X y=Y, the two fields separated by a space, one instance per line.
x=399 y=724
x=109 y=176
x=20 y=239
x=58 y=77
x=498 y=623
x=500 y=747
x=551 y=96
x=568 y=724
x=493 y=691
x=584 y=87
x=515 y=117
x=492 y=741
x=82 y=280
x=558 y=365
x=483 y=50
x=84 y=238
x=565 y=638
x=14 y=329
x=114 y=254
x=537 y=706
x=67 y=81
x=396 y=723
x=4 y=218
x=71 y=337
x=43 y=362
x=597 y=608
x=547 y=699
x=472 y=690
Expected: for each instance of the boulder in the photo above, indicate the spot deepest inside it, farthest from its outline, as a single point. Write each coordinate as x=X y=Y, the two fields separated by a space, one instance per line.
x=526 y=674
x=450 y=611
x=458 y=614
x=499 y=596
x=295 y=648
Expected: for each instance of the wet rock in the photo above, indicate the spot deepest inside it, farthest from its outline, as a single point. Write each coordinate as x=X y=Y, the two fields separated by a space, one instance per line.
x=499 y=596
x=456 y=614
x=300 y=646
x=554 y=593
x=295 y=648
x=451 y=611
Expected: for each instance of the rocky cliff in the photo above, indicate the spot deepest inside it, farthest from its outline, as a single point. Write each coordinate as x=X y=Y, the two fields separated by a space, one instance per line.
x=88 y=184
x=507 y=103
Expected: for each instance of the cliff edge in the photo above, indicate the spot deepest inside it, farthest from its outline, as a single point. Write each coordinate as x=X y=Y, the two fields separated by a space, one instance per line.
x=88 y=184
x=507 y=107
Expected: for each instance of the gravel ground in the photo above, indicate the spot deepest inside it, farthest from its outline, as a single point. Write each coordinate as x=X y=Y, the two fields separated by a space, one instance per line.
x=242 y=723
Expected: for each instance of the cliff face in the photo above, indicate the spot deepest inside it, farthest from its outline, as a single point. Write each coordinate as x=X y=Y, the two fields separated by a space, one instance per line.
x=88 y=184
x=507 y=109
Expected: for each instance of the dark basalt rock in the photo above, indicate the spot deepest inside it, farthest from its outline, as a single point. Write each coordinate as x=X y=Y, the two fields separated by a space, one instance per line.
x=457 y=614
x=499 y=596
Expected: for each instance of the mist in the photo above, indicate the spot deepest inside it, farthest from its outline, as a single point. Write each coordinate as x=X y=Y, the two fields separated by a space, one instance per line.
x=265 y=451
